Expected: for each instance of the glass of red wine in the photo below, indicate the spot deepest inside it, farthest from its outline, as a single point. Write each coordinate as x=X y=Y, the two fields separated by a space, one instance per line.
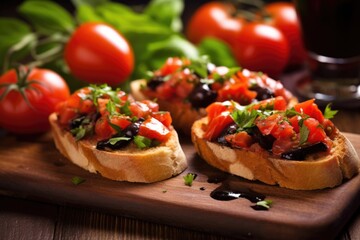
x=331 y=33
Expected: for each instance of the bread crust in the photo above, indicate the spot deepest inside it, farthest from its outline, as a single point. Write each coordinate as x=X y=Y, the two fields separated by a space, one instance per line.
x=130 y=164
x=182 y=112
x=315 y=172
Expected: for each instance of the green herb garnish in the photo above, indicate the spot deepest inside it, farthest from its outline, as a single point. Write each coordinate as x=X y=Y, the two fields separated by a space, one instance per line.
x=142 y=142
x=125 y=109
x=328 y=112
x=265 y=203
x=304 y=132
x=77 y=180
x=114 y=140
x=189 y=178
x=245 y=119
x=78 y=132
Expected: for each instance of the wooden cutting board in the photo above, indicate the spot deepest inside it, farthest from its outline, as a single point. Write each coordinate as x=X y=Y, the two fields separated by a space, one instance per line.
x=33 y=168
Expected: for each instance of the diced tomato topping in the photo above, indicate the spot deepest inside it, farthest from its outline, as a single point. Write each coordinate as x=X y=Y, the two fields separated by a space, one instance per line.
x=311 y=109
x=163 y=117
x=283 y=130
x=166 y=91
x=103 y=130
x=281 y=145
x=153 y=106
x=215 y=109
x=102 y=106
x=239 y=92
x=120 y=121
x=294 y=121
x=266 y=125
x=66 y=115
x=171 y=65
x=87 y=106
x=139 y=109
x=316 y=132
x=154 y=129
x=240 y=139
x=277 y=103
x=217 y=125
x=329 y=128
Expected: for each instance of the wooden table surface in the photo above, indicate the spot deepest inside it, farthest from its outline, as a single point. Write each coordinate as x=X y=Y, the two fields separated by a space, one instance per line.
x=22 y=218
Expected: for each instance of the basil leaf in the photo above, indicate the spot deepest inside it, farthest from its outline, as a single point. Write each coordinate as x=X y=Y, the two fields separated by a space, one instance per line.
x=304 y=133
x=114 y=140
x=86 y=13
x=125 y=109
x=328 y=112
x=219 y=53
x=78 y=132
x=166 y=12
x=142 y=142
x=47 y=17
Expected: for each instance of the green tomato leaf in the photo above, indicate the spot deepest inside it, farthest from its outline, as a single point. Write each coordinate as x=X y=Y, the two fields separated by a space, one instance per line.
x=79 y=3
x=166 y=12
x=47 y=17
x=219 y=53
x=16 y=43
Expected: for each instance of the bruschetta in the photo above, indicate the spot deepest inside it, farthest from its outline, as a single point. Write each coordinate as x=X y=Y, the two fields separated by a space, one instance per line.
x=185 y=88
x=297 y=148
x=106 y=131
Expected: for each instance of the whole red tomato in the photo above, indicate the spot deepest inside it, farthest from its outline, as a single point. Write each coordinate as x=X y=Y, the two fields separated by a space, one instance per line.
x=282 y=15
x=97 y=53
x=27 y=98
x=214 y=19
x=262 y=48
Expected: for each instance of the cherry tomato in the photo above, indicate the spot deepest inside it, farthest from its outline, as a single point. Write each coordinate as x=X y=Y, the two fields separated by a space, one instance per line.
x=97 y=53
x=214 y=19
x=26 y=101
x=263 y=48
x=282 y=15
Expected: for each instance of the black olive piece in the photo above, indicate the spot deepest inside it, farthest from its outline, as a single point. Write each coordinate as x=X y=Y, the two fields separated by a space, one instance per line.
x=133 y=129
x=101 y=145
x=202 y=96
x=300 y=153
x=262 y=93
x=265 y=141
x=229 y=130
x=76 y=122
x=154 y=82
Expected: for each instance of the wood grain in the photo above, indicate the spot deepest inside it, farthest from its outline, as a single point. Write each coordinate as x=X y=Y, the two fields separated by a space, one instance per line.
x=37 y=170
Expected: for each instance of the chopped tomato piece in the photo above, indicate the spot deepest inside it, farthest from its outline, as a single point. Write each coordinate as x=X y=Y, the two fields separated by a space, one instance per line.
x=329 y=128
x=316 y=132
x=217 y=125
x=102 y=106
x=277 y=103
x=294 y=121
x=120 y=121
x=163 y=117
x=171 y=65
x=103 y=130
x=66 y=115
x=240 y=139
x=239 y=92
x=215 y=109
x=153 y=106
x=139 y=109
x=154 y=129
x=267 y=125
x=311 y=109
x=87 y=106
x=283 y=145
x=283 y=129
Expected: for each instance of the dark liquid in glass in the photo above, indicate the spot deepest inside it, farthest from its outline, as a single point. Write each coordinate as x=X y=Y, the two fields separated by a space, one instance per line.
x=330 y=27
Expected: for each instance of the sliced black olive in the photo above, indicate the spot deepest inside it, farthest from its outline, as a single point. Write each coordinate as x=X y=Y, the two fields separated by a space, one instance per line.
x=76 y=122
x=133 y=129
x=202 y=96
x=302 y=152
x=262 y=92
x=229 y=130
x=154 y=82
x=265 y=141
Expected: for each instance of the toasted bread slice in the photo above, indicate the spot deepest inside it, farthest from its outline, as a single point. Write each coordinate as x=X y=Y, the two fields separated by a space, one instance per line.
x=315 y=172
x=129 y=164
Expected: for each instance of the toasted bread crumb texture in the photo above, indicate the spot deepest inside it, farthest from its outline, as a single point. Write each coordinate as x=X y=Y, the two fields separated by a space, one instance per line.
x=316 y=172
x=134 y=165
